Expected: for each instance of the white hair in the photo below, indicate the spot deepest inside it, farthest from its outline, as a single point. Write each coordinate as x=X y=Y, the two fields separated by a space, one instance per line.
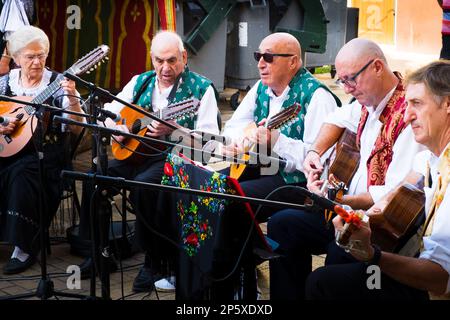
x=25 y=35
x=165 y=37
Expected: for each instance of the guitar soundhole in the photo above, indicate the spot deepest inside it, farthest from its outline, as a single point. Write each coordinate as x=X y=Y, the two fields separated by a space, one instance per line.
x=136 y=126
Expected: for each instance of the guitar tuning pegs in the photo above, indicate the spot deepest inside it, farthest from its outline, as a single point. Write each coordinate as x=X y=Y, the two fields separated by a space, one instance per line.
x=88 y=72
x=107 y=58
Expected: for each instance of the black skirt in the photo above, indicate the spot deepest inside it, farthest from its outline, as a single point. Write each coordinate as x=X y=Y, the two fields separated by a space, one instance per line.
x=20 y=187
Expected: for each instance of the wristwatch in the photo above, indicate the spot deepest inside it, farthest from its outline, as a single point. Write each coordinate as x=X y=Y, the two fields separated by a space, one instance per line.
x=376 y=256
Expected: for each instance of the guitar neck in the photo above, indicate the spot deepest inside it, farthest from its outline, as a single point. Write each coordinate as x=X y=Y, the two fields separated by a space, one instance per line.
x=47 y=93
x=147 y=120
x=167 y=113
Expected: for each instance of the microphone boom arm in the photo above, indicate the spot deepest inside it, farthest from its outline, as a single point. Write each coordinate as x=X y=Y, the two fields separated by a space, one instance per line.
x=107 y=94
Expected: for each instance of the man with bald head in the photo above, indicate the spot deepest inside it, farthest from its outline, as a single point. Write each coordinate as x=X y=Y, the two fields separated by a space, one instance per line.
x=284 y=81
x=170 y=82
x=387 y=149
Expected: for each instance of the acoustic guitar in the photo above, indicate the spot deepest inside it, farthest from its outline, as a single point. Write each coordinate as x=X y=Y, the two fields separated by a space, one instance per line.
x=400 y=219
x=132 y=149
x=11 y=144
x=280 y=119
x=347 y=158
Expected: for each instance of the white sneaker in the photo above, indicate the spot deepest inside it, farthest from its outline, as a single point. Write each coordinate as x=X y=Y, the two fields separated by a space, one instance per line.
x=166 y=284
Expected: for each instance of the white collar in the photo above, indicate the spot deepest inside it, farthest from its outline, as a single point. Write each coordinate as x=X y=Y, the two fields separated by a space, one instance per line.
x=164 y=92
x=282 y=96
x=19 y=90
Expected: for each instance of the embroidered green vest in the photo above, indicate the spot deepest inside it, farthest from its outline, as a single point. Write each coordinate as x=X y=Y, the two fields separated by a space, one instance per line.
x=302 y=88
x=190 y=85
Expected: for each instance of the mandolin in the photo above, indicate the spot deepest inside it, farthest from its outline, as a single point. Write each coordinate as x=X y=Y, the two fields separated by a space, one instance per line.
x=132 y=149
x=393 y=226
x=280 y=119
x=11 y=144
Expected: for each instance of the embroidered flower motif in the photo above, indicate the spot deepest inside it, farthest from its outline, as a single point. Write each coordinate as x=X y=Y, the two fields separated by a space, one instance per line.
x=168 y=170
x=196 y=228
x=192 y=239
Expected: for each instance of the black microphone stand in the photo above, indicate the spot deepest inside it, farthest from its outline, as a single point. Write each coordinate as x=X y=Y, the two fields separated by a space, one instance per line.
x=45 y=289
x=100 y=216
x=122 y=182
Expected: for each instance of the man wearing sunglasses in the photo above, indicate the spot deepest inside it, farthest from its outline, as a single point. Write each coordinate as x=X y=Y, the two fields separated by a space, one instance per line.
x=387 y=149
x=283 y=83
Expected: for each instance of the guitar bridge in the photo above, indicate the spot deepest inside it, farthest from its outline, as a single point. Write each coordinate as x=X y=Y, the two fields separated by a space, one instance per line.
x=8 y=139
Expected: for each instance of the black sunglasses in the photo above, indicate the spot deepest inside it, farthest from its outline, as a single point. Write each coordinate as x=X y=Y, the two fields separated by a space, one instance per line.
x=268 y=57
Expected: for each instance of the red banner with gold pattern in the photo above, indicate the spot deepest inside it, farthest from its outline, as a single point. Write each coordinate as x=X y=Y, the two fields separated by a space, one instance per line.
x=126 y=26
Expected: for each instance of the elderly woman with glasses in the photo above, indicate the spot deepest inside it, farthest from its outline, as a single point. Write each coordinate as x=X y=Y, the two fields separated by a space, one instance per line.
x=20 y=185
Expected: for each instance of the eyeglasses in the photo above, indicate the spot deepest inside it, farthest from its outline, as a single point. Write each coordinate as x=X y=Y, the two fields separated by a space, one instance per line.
x=268 y=57
x=351 y=82
x=31 y=57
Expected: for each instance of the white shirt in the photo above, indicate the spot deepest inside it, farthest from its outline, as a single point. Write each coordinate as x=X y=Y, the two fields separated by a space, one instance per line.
x=207 y=112
x=404 y=150
x=322 y=103
x=437 y=245
x=13 y=16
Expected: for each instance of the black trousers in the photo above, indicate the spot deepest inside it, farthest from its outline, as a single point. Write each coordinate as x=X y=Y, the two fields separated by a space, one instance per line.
x=349 y=281
x=299 y=235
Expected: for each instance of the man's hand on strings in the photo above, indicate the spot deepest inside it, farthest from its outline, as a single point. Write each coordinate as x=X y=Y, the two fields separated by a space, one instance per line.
x=262 y=135
x=236 y=147
x=120 y=127
x=362 y=248
x=157 y=129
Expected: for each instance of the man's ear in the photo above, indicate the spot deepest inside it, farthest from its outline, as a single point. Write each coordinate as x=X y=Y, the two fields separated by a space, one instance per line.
x=295 y=62
x=184 y=57
x=447 y=104
x=379 y=66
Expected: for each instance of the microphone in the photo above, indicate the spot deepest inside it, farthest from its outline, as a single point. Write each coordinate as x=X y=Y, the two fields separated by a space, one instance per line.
x=264 y=160
x=349 y=216
x=4 y=121
x=322 y=202
x=109 y=114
